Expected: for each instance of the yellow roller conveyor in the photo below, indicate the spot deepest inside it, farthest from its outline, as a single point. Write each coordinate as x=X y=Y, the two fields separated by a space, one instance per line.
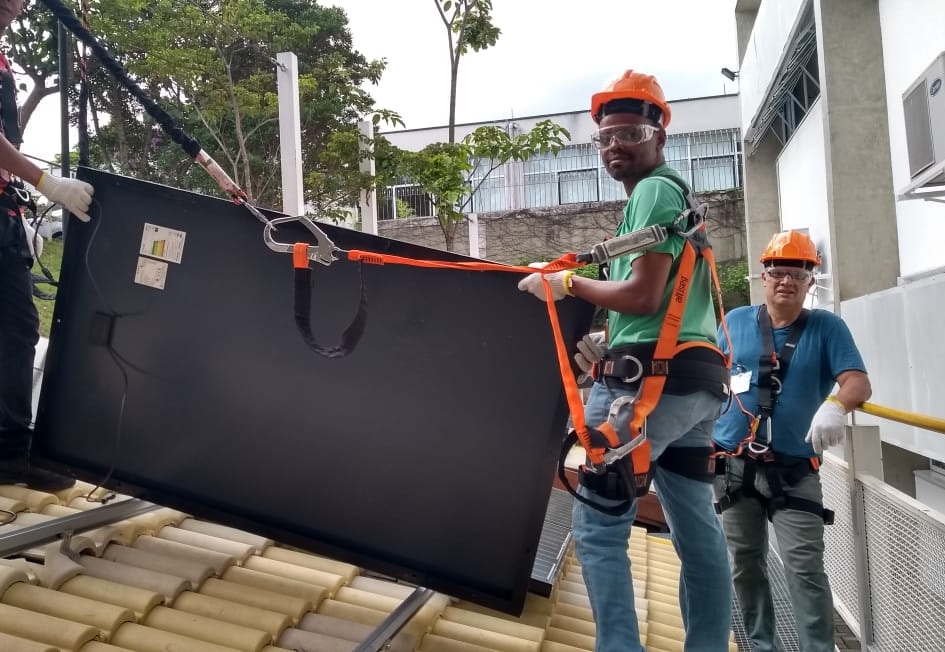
x=148 y=639
x=207 y=629
x=330 y=581
x=493 y=624
x=140 y=601
x=240 y=551
x=574 y=639
x=45 y=629
x=271 y=622
x=268 y=582
x=16 y=644
x=104 y=617
x=218 y=561
x=485 y=638
x=347 y=571
x=258 y=543
x=251 y=596
x=97 y=646
x=434 y=643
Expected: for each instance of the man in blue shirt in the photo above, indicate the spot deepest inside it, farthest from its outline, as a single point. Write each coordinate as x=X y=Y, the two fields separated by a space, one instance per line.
x=786 y=361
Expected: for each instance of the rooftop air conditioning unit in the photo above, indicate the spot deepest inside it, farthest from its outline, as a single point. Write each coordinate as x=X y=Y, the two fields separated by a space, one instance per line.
x=923 y=106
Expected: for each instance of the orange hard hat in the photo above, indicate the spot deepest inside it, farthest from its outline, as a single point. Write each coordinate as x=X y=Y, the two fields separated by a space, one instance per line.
x=634 y=86
x=791 y=245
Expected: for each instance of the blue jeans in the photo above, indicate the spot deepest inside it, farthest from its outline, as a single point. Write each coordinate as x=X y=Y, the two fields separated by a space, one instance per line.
x=601 y=541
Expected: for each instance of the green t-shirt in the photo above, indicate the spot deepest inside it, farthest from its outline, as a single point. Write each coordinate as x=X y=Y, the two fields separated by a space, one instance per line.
x=657 y=200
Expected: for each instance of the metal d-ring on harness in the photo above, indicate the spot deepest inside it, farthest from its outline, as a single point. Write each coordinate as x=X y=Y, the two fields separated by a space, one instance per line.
x=779 y=470
x=323 y=252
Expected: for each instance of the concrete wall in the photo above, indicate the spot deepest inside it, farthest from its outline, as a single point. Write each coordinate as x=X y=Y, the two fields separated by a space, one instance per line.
x=689 y=116
x=536 y=234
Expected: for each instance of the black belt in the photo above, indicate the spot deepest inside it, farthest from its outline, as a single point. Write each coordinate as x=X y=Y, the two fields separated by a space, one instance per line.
x=630 y=369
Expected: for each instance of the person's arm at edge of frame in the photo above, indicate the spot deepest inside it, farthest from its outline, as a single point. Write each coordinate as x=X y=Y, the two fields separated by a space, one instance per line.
x=641 y=294
x=855 y=388
x=17 y=164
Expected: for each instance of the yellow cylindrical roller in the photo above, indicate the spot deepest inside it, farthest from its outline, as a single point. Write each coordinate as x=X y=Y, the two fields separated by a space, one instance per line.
x=207 y=629
x=367 y=599
x=151 y=522
x=579 y=599
x=667 y=615
x=167 y=585
x=573 y=587
x=104 y=617
x=667 y=567
x=218 y=561
x=489 y=639
x=434 y=643
x=655 y=641
x=45 y=629
x=271 y=622
x=574 y=611
x=10 y=575
x=80 y=488
x=532 y=618
x=194 y=572
x=574 y=639
x=347 y=571
x=15 y=644
x=384 y=587
x=352 y=612
x=250 y=596
x=297 y=639
x=258 y=543
x=500 y=625
x=34 y=500
x=55 y=509
x=96 y=646
x=330 y=581
x=15 y=505
x=240 y=551
x=148 y=639
x=577 y=625
x=140 y=601
x=667 y=631
x=246 y=577
x=552 y=646
x=273 y=648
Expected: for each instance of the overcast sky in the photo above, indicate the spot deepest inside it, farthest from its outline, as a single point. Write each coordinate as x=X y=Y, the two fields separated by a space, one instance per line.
x=546 y=61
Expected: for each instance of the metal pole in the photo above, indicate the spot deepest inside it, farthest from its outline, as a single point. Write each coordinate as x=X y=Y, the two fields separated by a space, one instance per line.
x=290 y=133
x=65 y=42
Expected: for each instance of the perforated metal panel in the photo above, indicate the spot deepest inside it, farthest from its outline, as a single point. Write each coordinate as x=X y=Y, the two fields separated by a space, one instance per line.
x=839 y=561
x=907 y=572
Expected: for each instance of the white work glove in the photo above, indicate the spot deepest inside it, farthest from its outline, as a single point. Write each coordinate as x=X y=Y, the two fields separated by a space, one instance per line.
x=72 y=194
x=532 y=283
x=590 y=349
x=826 y=428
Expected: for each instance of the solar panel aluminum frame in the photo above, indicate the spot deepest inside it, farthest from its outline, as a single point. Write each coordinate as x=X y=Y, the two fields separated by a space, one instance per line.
x=177 y=375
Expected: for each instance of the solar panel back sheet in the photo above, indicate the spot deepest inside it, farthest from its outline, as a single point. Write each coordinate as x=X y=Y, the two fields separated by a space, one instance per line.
x=176 y=368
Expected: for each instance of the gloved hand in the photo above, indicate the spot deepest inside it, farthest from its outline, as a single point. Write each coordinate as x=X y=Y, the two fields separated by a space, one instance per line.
x=826 y=428
x=72 y=194
x=532 y=283
x=590 y=349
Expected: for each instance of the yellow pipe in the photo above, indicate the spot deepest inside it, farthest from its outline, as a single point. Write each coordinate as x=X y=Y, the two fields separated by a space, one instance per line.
x=909 y=418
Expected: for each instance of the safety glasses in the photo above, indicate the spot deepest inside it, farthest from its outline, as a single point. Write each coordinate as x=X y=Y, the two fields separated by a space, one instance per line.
x=626 y=135
x=797 y=274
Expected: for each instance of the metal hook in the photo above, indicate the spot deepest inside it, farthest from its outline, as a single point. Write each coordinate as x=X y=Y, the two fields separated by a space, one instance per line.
x=322 y=252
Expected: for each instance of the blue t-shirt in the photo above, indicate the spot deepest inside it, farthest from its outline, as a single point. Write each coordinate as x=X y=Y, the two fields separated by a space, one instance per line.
x=824 y=351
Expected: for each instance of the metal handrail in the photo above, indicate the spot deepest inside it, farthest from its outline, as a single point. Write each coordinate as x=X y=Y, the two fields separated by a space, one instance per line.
x=934 y=424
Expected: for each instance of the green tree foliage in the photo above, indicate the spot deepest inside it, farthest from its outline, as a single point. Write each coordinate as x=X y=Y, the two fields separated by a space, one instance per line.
x=733 y=279
x=211 y=64
x=446 y=170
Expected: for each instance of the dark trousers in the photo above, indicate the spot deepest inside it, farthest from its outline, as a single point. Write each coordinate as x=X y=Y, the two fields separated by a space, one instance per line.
x=19 y=333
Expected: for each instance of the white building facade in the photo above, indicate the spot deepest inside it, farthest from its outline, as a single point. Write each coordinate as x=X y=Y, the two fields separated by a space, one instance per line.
x=703 y=144
x=843 y=116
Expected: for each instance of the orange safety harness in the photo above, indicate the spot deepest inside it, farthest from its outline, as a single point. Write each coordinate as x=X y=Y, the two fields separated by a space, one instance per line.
x=601 y=443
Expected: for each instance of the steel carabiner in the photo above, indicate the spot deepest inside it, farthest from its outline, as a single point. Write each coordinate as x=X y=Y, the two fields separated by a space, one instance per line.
x=324 y=251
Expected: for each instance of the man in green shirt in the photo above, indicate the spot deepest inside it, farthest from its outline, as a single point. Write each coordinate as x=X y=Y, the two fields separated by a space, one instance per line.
x=632 y=114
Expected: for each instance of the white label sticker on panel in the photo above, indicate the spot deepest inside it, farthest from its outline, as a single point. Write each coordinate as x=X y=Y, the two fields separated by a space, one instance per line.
x=160 y=242
x=152 y=273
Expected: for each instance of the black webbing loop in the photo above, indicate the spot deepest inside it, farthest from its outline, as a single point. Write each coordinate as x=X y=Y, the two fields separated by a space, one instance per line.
x=303 y=311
